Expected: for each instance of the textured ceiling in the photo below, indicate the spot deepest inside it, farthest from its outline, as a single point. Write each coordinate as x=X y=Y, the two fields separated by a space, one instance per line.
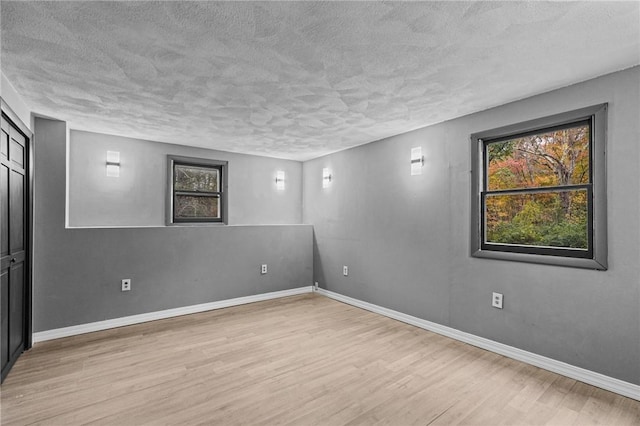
x=300 y=79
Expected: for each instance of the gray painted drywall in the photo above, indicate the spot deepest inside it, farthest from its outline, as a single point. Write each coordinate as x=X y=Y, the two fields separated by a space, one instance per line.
x=137 y=197
x=406 y=239
x=77 y=272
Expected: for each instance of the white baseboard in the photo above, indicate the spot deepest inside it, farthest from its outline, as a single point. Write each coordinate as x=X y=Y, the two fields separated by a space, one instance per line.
x=168 y=313
x=621 y=387
x=596 y=379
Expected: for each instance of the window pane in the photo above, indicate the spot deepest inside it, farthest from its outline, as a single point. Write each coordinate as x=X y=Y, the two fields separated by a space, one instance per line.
x=553 y=158
x=194 y=207
x=550 y=219
x=192 y=178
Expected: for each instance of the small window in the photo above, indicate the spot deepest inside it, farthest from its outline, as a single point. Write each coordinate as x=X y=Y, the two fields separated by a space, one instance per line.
x=540 y=191
x=197 y=191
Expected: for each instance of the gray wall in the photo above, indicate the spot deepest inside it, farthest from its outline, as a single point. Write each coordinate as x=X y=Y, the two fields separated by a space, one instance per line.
x=77 y=272
x=137 y=197
x=406 y=238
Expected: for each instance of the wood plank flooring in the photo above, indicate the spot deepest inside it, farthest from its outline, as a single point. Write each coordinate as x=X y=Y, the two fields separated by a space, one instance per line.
x=302 y=360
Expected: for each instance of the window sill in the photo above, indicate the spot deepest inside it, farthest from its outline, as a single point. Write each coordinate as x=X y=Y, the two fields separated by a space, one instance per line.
x=542 y=259
x=196 y=224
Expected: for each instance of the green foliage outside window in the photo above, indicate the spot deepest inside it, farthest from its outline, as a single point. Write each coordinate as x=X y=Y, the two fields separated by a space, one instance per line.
x=552 y=215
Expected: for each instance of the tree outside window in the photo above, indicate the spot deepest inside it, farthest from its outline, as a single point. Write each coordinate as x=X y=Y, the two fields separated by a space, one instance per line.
x=559 y=162
x=537 y=195
x=197 y=191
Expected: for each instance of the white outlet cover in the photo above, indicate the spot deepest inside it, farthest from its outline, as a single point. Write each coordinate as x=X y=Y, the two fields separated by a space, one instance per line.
x=345 y=270
x=496 y=300
x=263 y=269
x=126 y=284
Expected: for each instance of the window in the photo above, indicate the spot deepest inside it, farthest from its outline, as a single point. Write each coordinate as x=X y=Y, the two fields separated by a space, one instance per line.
x=539 y=191
x=197 y=190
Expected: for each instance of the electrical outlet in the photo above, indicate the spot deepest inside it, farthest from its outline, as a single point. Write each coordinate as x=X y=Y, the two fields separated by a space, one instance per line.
x=126 y=284
x=345 y=270
x=496 y=301
x=263 y=269
x=315 y=286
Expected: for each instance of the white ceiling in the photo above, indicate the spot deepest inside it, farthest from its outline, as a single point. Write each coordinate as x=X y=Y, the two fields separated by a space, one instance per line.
x=300 y=79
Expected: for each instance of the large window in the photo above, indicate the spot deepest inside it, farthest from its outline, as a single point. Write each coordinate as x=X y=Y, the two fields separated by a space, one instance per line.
x=197 y=190
x=539 y=190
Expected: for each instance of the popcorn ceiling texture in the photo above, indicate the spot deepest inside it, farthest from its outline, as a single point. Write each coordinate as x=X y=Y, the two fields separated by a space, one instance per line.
x=299 y=79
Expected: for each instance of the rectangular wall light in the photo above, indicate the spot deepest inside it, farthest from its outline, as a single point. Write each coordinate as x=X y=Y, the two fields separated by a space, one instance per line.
x=113 y=164
x=326 y=177
x=417 y=161
x=280 y=180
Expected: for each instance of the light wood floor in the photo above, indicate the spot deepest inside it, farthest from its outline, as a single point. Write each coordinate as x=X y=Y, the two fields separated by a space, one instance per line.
x=300 y=360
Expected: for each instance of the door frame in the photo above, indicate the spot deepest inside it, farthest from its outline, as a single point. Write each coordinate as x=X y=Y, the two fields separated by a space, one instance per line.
x=14 y=120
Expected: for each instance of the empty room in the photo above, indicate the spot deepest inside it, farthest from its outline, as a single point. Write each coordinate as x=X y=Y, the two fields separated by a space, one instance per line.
x=320 y=213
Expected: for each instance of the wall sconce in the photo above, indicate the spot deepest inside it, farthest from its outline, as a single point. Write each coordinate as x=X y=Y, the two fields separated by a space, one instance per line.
x=326 y=177
x=113 y=164
x=280 y=179
x=417 y=161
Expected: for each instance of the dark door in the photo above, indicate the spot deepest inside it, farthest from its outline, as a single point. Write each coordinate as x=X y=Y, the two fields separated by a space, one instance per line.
x=13 y=236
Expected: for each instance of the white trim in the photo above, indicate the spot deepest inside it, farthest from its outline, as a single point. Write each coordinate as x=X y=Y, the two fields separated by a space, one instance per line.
x=168 y=313
x=67 y=173
x=16 y=103
x=202 y=225
x=620 y=387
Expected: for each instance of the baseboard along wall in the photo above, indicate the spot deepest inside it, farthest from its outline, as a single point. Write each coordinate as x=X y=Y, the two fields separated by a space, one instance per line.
x=167 y=313
x=620 y=387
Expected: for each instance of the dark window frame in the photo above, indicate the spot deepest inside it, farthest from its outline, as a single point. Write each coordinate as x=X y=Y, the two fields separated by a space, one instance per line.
x=221 y=194
x=595 y=257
